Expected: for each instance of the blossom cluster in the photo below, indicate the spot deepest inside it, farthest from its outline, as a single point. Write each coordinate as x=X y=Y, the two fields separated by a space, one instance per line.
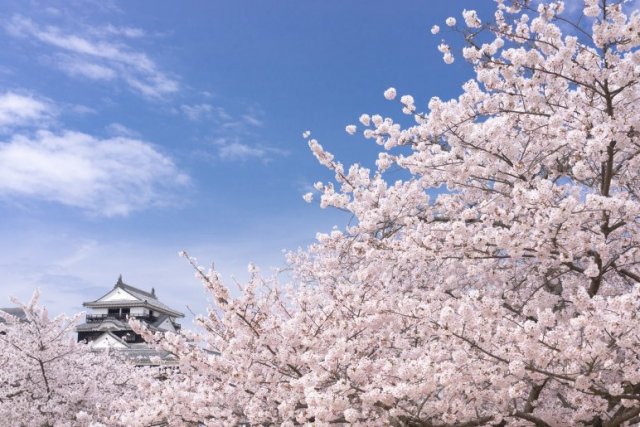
x=498 y=283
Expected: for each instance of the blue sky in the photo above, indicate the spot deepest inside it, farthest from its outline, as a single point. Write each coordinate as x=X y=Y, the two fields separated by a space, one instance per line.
x=132 y=130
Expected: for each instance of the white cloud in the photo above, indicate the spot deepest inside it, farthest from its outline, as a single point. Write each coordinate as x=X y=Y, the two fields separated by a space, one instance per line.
x=252 y=120
x=152 y=86
x=100 y=59
x=232 y=133
x=232 y=149
x=108 y=177
x=130 y=32
x=78 y=67
x=198 y=112
x=23 y=110
x=119 y=129
x=239 y=151
x=80 y=109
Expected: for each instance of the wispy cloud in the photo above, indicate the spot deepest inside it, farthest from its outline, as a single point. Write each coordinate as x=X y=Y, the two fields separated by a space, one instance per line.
x=24 y=110
x=118 y=129
x=252 y=120
x=200 y=112
x=234 y=136
x=100 y=55
x=238 y=151
x=78 y=67
x=254 y=116
x=108 y=177
x=80 y=109
x=129 y=32
x=232 y=149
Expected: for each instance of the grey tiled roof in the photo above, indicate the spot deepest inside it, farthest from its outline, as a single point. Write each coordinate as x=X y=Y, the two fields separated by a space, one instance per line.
x=119 y=326
x=158 y=322
x=133 y=289
x=141 y=353
x=114 y=336
x=14 y=311
x=147 y=299
x=144 y=355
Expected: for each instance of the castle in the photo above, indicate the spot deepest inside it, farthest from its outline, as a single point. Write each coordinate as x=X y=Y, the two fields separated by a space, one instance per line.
x=107 y=325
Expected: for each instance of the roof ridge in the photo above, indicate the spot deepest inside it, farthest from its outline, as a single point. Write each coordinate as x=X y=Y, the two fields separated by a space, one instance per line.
x=121 y=284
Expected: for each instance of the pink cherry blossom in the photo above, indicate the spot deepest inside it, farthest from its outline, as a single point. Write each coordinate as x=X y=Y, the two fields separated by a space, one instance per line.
x=497 y=283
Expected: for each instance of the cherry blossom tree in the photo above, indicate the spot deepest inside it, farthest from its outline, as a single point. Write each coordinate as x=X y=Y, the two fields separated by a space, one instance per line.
x=497 y=285
x=48 y=379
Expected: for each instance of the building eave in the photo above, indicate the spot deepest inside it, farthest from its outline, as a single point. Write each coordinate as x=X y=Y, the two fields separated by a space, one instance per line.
x=128 y=303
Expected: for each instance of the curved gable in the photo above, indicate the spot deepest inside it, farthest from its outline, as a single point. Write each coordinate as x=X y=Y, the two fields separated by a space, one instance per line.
x=118 y=294
x=108 y=340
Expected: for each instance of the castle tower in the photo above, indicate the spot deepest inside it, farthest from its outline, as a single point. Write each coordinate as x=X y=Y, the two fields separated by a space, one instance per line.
x=107 y=325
